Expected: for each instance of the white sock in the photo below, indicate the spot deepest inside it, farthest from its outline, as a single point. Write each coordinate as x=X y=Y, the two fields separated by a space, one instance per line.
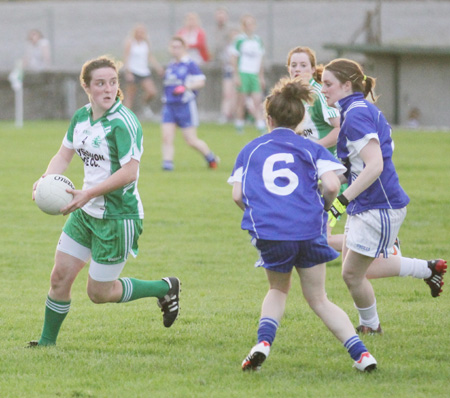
x=260 y=124
x=239 y=123
x=369 y=316
x=414 y=267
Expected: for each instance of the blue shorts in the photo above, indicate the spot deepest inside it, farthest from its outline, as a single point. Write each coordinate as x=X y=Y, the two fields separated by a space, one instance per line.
x=182 y=114
x=282 y=256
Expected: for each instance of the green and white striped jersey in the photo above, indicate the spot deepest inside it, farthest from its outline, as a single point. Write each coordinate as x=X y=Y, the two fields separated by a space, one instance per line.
x=250 y=51
x=105 y=145
x=317 y=118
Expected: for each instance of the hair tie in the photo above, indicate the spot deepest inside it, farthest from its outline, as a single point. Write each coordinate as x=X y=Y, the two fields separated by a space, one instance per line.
x=364 y=78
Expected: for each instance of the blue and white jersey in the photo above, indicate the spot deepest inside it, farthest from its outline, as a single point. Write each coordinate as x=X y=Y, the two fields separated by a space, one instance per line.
x=180 y=74
x=279 y=173
x=362 y=121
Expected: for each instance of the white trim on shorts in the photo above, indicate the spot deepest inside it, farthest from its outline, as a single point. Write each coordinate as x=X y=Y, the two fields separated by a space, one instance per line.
x=193 y=110
x=105 y=272
x=98 y=272
x=69 y=246
x=373 y=232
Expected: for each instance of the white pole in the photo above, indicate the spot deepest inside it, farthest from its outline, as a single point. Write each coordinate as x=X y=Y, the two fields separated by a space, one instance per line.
x=18 y=97
x=16 y=80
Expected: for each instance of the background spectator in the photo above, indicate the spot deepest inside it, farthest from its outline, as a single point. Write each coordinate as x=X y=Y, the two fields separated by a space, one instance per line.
x=37 y=54
x=248 y=66
x=137 y=61
x=224 y=36
x=195 y=37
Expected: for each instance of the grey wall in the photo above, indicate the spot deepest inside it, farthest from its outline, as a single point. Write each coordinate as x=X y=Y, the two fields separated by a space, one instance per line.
x=79 y=30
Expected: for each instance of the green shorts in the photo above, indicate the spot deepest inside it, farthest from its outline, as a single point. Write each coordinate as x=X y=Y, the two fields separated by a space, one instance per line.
x=249 y=83
x=110 y=240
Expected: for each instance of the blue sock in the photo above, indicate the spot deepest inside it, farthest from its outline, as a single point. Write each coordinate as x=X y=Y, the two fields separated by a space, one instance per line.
x=355 y=347
x=267 y=330
x=210 y=157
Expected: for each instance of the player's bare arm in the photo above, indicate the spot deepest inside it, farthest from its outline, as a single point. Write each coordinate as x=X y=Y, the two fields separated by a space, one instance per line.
x=58 y=164
x=373 y=160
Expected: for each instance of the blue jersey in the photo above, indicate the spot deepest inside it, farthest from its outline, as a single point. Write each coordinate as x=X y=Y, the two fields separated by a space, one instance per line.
x=362 y=121
x=279 y=173
x=179 y=74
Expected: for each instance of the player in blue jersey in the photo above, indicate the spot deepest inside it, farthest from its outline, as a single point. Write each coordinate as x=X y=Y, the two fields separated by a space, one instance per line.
x=276 y=183
x=182 y=80
x=374 y=200
x=106 y=215
x=322 y=122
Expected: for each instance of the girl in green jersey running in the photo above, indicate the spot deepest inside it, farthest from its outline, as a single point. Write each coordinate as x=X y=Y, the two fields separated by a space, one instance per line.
x=105 y=216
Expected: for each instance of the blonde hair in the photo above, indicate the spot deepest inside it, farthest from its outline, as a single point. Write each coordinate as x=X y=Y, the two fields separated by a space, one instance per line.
x=346 y=70
x=285 y=104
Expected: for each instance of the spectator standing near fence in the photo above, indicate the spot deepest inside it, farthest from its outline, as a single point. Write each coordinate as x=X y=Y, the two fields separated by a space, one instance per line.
x=37 y=52
x=248 y=66
x=195 y=37
x=224 y=36
x=137 y=61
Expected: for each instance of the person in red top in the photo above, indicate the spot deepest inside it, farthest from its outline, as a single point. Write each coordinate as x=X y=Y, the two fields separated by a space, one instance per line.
x=195 y=37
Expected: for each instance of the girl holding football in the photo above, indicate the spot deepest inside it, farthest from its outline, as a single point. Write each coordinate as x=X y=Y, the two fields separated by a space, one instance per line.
x=105 y=216
x=275 y=183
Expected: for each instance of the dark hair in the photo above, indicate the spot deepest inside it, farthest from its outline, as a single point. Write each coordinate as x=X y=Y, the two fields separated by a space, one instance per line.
x=312 y=59
x=285 y=104
x=97 y=63
x=346 y=70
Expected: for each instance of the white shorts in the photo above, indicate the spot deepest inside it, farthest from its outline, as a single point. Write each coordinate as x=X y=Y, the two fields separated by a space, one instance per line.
x=98 y=272
x=373 y=232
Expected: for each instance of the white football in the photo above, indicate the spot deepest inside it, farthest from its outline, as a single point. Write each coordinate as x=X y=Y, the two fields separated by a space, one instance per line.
x=51 y=195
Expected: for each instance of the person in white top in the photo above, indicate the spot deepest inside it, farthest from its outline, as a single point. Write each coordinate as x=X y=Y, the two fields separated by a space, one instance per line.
x=137 y=61
x=37 y=54
x=248 y=67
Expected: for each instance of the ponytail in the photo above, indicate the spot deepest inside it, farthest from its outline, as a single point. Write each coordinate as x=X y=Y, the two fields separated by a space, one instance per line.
x=285 y=104
x=347 y=70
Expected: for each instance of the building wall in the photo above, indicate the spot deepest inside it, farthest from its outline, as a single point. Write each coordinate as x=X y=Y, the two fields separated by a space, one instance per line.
x=57 y=94
x=79 y=30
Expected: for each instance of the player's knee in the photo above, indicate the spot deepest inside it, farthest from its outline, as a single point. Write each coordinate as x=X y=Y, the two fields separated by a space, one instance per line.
x=59 y=280
x=315 y=300
x=97 y=297
x=192 y=142
x=350 y=278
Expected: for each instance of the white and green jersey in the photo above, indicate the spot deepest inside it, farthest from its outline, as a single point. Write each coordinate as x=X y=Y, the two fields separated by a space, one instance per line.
x=105 y=145
x=316 y=124
x=250 y=51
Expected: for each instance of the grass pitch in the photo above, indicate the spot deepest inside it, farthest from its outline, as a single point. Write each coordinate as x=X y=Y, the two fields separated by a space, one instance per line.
x=192 y=230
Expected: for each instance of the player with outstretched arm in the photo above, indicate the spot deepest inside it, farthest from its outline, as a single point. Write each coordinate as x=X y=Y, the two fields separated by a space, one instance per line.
x=276 y=183
x=105 y=217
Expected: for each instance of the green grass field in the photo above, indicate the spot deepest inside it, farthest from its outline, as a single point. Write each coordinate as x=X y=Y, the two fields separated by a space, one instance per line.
x=192 y=230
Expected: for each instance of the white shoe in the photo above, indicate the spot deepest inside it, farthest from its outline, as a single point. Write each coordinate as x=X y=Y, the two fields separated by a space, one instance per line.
x=366 y=363
x=147 y=113
x=395 y=250
x=257 y=356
